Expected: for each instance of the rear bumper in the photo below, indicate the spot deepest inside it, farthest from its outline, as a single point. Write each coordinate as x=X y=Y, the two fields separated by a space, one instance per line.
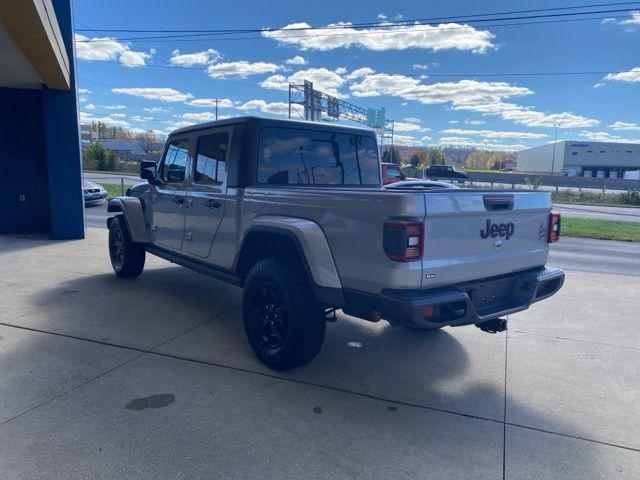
x=461 y=304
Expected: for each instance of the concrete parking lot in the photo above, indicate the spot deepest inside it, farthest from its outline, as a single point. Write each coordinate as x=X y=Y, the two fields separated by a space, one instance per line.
x=153 y=378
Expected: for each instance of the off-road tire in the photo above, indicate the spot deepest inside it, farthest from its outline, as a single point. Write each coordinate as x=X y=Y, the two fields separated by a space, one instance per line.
x=127 y=257
x=300 y=317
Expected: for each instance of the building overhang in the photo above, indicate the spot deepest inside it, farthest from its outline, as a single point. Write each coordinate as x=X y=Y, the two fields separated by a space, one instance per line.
x=32 y=51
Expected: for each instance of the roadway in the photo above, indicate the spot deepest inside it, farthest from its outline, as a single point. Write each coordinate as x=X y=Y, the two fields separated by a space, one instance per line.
x=580 y=254
x=600 y=212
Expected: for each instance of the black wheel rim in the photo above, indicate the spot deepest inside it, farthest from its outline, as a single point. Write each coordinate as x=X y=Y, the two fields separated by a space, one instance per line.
x=116 y=248
x=270 y=315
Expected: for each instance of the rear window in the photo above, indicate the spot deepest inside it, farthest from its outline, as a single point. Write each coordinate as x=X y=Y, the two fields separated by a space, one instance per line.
x=304 y=157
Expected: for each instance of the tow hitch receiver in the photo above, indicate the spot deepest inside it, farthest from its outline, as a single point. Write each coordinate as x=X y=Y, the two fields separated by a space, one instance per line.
x=493 y=326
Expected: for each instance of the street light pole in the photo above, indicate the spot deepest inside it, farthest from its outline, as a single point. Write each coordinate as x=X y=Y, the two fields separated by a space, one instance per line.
x=555 y=140
x=216 y=109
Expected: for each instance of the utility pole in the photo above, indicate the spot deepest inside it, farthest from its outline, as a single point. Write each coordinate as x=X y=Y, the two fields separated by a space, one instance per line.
x=555 y=140
x=216 y=108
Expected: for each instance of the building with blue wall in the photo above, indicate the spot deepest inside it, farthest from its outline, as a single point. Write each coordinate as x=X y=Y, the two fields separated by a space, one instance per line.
x=40 y=159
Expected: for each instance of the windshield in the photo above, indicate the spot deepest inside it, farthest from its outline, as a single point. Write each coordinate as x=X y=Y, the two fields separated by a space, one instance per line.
x=393 y=172
x=304 y=157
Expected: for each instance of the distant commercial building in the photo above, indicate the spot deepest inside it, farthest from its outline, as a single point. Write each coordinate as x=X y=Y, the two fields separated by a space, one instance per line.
x=583 y=159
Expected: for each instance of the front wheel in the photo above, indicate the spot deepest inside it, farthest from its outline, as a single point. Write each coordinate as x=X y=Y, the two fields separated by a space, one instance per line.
x=284 y=323
x=127 y=257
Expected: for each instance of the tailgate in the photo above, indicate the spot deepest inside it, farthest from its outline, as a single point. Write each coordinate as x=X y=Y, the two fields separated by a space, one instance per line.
x=475 y=234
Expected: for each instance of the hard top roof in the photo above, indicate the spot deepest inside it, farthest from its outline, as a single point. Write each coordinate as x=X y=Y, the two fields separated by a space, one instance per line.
x=260 y=122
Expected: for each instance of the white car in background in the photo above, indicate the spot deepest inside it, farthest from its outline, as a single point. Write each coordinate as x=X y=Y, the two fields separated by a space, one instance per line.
x=94 y=193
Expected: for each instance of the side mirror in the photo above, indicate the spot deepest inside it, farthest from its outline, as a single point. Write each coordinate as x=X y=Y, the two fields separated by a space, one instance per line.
x=148 y=170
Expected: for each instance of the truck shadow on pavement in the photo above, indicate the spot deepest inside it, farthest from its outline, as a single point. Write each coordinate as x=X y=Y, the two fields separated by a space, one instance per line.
x=195 y=318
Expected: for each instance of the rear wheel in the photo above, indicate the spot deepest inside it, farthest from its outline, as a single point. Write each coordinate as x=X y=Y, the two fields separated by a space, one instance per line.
x=127 y=257
x=284 y=324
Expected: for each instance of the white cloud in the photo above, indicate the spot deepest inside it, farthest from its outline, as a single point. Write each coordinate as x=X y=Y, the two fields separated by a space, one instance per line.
x=323 y=79
x=426 y=138
x=406 y=141
x=453 y=122
x=192 y=59
x=359 y=73
x=526 y=115
x=633 y=21
x=199 y=117
x=474 y=122
x=152 y=93
x=297 y=60
x=211 y=102
x=342 y=35
x=133 y=59
x=240 y=69
x=155 y=109
x=83 y=91
x=382 y=16
x=277 y=108
x=606 y=137
x=461 y=92
x=140 y=118
x=493 y=133
x=179 y=124
x=598 y=85
x=466 y=142
x=108 y=49
x=483 y=97
x=113 y=107
x=631 y=76
x=408 y=127
x=87 y=118
x=89 y=106
x=624 y=126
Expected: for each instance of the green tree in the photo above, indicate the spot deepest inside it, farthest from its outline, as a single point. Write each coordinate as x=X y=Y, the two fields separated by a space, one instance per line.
x=436 y=157
x=99 y=158
x=391 y=155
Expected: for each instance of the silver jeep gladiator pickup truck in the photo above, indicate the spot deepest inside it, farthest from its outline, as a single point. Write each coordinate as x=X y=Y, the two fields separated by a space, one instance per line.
x=296 y=214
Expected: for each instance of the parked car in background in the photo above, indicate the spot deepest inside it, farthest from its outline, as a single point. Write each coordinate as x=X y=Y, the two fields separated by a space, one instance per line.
x=393 y=173
x=94 y=193
x=446 y=171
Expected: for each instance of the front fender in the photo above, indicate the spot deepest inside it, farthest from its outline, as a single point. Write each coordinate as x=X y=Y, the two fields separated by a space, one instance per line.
x=131 y=209
x=313 y=243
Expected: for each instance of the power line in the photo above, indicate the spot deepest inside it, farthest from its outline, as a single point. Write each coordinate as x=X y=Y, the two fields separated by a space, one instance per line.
x=416 y=75
x=208 y=37
x=386 y=24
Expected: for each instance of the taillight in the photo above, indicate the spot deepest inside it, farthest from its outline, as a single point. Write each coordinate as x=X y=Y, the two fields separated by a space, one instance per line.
x=404 y=240
x=554 y=228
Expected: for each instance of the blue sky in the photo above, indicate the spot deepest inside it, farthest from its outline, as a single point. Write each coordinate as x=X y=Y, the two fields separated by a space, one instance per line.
x=165 y=83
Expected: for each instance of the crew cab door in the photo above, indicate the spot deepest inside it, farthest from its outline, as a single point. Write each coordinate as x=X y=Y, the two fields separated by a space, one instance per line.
x=206 y=196
x=168 y=201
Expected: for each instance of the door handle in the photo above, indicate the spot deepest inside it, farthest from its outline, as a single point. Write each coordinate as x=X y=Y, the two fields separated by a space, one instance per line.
x=212 y=204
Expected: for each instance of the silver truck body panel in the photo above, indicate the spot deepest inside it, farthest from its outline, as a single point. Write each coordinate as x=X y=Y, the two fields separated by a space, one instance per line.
x=352 y=221
x=313 y=243
x=131 y=208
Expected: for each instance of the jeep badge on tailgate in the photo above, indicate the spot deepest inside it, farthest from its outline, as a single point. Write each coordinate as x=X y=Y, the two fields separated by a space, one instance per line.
x=498 y=229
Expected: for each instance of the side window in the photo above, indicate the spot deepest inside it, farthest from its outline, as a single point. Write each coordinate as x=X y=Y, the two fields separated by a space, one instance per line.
x=174 y=165
x=210 y=159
